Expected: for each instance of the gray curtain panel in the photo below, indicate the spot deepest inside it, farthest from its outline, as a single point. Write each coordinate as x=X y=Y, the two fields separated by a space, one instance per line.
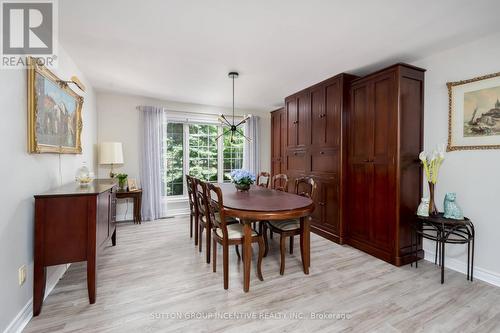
x=152 y=119
x=252 y=149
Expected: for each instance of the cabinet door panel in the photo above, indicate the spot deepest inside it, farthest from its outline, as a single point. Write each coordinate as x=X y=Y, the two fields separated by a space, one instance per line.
x=384 y=118
x=318 y=123
x=296 y=161
x=330 y=204
x=360 y=126
x=276 y=142
x=291 y=115
x=284 y=131
x=304 y=123
x=332 y=114
x=358 y=223
x=384 y=172
x=325 y=161
x=317 y=214
x=383 y=208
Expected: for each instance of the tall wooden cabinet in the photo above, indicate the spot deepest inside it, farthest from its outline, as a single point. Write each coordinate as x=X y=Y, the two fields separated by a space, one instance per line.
x=383 y=175
x=315 y=146
x=359 y=138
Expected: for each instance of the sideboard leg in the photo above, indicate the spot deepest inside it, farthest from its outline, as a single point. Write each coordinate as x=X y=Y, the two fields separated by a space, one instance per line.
x=91 y=275
x=40 y=274
x=113 y=238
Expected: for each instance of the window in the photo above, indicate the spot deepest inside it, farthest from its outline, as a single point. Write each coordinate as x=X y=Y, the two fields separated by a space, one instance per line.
x=174 y=160
x=206 y=158
x=203 y=152
x=233 y=153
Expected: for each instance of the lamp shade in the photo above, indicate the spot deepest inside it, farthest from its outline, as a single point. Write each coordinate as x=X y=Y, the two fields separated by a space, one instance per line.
x=110 y=153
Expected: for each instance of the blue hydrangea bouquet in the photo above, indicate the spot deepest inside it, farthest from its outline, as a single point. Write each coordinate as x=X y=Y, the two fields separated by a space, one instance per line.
x=242 y=179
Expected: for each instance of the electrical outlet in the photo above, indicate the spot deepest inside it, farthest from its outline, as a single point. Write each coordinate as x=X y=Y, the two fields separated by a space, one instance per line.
x=22 y=275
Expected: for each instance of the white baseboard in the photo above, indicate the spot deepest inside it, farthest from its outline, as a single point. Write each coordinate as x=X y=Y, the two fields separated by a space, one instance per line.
x=22 y=319
x=24 y=316
x=460 y=266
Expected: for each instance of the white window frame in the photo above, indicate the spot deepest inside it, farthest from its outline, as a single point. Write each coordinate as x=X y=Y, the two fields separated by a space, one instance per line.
x=187 y=120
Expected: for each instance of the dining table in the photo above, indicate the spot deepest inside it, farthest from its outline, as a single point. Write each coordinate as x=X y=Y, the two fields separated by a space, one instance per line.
x=264 y=204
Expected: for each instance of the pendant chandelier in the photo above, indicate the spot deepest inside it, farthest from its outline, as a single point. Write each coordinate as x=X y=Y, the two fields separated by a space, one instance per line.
x=233 y=127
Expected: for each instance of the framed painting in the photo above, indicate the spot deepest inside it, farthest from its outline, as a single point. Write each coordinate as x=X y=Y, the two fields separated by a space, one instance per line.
x=474 y=113
x=54 y=113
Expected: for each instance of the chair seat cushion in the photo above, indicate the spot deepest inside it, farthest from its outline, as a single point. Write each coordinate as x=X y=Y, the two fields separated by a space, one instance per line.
x=217 y=217
x=234 y=231
x=286 y=225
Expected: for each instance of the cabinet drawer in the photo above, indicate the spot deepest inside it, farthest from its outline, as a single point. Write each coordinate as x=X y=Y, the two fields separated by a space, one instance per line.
x=325 y=161
x=296 y=161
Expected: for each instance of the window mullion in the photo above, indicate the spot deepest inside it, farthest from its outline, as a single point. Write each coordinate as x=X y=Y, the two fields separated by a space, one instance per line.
x=185 y=129
x=220 y=155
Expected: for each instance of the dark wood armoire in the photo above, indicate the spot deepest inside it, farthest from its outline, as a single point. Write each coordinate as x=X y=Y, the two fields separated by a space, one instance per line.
x=383 y=175
x=359 y=138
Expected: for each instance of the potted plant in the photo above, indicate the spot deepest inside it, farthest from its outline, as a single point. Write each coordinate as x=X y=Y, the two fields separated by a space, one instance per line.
x=242 y=179
x=122 y=180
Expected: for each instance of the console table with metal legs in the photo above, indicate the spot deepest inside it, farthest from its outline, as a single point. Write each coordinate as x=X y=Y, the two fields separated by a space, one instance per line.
x=444 y=231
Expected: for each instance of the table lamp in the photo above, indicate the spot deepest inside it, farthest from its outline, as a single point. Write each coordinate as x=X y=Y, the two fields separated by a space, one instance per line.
x=111 y=153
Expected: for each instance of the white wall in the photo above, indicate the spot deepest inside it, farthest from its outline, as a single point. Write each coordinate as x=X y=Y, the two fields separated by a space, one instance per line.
x=24 y=175
x=118 y=120
x=473 y=175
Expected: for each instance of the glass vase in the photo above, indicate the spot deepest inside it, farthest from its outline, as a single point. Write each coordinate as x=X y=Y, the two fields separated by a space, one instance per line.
x=432 y=204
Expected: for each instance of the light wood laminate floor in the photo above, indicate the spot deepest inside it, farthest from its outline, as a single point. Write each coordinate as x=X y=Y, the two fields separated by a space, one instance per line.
x=155 y=271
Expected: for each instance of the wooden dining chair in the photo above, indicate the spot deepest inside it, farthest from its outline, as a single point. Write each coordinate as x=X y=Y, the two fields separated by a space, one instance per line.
x=265 y=177
x=204 y=222
x=203 y=216
x=280 y=182
x=306 y=187
x=193 y=208
x=227 y=234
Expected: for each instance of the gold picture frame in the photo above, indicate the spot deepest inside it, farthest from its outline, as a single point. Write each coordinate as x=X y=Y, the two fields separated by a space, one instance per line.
x=54 y=113
x=474 y=113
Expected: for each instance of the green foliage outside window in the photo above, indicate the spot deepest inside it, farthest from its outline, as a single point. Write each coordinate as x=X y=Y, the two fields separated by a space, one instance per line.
x=203 y=155
x=203 y=152
x=233 y=153
x=174 y=159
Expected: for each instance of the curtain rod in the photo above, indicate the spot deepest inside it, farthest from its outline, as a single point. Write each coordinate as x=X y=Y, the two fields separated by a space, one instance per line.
x=139 y=107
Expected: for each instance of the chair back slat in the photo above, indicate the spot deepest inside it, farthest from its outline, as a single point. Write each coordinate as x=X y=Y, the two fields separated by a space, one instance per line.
x=265 y=177
x=216 y=206
x=280 y=182
x=201 y=198
x=306 y=187
x=191 y=187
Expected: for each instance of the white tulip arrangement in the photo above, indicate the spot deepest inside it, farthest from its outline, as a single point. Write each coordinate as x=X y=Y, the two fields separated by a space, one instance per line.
x=432 y=163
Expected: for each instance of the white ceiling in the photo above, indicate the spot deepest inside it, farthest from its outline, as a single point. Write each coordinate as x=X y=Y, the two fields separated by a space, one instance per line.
x=182 y=50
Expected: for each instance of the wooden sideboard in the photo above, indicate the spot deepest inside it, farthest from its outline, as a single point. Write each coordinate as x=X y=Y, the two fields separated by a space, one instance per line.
x=72 y=224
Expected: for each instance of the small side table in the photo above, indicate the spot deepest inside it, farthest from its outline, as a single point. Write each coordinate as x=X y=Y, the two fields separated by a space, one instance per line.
x=137 y=197
x=445 y=231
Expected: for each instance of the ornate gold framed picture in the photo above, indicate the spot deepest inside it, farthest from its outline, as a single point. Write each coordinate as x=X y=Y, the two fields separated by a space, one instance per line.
x=54 y=113
x=474 y=113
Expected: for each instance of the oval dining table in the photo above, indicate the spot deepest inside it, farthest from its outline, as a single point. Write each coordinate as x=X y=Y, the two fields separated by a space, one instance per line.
x=263 y=204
